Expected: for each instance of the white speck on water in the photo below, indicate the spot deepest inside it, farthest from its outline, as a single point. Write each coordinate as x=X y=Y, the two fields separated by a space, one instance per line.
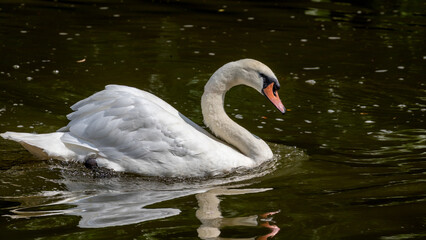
x=116 y=15
x=196 y=52
x=20 y=126
x=24 y=31
x=188 y=26
x=308 y=121
x=63 y=33
x=402 y=106
x=279 y=119
x=334 y=38
x=369 y=121
x=330 y=111
x=55 y=71
x=263 y=122
x=29 y=78
x=381 y=70
x=16 y=66
x=401 y=79
x=278 y=129
x=239 y=116
x=386 y=131
x=311 y=82
x=259 y=126
x=250 y=18
x=212 y=54
x=311 y=68
x=303 y=40
x=103 y=8
x=401 y=67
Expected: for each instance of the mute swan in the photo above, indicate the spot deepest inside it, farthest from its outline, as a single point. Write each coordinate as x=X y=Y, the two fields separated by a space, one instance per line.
x=127 y=129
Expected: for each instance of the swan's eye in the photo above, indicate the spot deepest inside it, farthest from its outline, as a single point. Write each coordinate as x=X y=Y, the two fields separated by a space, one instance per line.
x=267 y=81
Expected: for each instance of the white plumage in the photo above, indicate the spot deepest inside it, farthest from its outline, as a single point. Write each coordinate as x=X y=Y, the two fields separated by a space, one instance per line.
x=127 y=129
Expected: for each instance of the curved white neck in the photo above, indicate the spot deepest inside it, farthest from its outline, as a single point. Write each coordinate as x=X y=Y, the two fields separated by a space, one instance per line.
x=212 y=105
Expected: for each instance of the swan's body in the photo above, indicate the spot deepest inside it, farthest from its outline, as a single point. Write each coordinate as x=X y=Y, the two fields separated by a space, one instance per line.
x=127 y=129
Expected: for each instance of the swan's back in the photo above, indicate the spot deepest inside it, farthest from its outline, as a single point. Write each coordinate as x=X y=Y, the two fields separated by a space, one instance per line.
x=133 y=130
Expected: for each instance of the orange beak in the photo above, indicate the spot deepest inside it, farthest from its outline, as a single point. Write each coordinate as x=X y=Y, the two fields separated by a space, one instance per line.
x=273 y=97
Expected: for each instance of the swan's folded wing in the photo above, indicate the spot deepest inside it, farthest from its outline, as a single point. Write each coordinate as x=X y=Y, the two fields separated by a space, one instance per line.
x=128 y=125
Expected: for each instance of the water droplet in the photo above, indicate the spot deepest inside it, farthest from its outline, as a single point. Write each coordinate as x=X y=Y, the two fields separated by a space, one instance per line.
x=330 y=111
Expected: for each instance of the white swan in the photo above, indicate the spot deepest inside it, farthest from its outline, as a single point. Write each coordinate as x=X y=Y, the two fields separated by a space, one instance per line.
x=127 y=129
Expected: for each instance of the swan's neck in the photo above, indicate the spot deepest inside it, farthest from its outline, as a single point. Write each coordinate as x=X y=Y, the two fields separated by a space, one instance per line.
x=212 y=104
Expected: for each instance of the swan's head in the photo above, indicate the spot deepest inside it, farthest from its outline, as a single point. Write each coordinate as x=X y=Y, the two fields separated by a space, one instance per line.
x=260 y=77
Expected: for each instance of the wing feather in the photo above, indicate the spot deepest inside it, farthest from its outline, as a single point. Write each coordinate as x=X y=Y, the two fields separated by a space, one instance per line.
x=126 y=123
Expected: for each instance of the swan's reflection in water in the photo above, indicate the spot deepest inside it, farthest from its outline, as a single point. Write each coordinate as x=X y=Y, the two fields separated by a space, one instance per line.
x=114 y=208
x=211 y=217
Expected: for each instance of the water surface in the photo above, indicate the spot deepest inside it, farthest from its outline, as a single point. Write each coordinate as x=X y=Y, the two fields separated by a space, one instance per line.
x=350 y=152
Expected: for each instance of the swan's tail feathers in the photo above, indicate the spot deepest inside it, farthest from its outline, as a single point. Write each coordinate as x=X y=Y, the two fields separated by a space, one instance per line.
x=43 y=146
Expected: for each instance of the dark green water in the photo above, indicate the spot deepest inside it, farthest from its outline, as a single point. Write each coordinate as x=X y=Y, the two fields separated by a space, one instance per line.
x=351 y=152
